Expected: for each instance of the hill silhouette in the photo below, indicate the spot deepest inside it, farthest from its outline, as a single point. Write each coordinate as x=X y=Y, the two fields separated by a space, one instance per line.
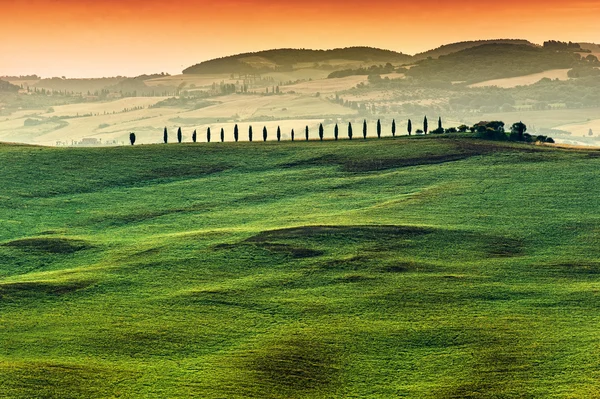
x=285 y=59
x=459 y=46
x=6 y=86
x=493 y=61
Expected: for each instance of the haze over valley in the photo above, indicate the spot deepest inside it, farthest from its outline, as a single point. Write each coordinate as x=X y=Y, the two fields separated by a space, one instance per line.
x=552 y=87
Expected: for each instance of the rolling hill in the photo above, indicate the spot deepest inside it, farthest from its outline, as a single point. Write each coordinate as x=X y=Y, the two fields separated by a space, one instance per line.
x=285 y=59
x=492 y=61
x=412 y=267
x=459 y=46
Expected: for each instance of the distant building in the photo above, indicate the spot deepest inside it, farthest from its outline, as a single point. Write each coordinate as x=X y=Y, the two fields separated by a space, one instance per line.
x=89 y=142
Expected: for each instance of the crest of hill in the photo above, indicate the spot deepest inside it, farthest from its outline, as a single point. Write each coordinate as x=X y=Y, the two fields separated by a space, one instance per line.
x=456 y=47
x=8 y=87
x=285 y=59
x=493 y=61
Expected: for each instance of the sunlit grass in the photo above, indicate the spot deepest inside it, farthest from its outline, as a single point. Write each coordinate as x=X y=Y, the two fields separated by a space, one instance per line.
x=427 y=268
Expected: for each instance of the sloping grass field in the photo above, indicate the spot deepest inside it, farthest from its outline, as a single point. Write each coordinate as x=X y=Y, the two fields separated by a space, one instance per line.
x=423 y=267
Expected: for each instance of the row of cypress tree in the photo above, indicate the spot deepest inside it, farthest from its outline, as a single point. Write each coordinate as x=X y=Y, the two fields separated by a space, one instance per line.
x=236 y=134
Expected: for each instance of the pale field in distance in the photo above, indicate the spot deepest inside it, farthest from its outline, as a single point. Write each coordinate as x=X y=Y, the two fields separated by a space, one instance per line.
x=507 y=83
x=189 y=80
x=582 y=129
x=325 y=86
x=102 y=107
x=284 y=106
x=148 y=123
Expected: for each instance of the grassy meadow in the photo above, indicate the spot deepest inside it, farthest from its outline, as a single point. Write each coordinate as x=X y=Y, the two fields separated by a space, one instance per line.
x=423 y=267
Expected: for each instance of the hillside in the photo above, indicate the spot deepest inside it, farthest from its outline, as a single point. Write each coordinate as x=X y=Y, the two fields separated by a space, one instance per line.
x=8 y=87
x=285 y=59
x=492 y=61
x=416 y=267
x=459 y=46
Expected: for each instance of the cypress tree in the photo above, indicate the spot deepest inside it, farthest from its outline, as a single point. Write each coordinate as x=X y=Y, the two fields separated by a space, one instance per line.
x=278 y=134
x=265 y=133
x=208 y=135
x=194 y=136
x=440 y=123
x=236 y=133
x=321 y=132
x=393 y=128
x=409 y=127
x=292 y=134
x=165 y=136
x=350 y=130
x=250 y=133
x=365 y=129
x=179 y=135
x=336 y=132
x=425 y=125
x=306 y=133
x=132 y=138
x=379 y=128
x=222 y=135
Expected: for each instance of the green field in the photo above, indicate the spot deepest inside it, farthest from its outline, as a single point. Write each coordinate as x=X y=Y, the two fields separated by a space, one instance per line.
x=423 y=267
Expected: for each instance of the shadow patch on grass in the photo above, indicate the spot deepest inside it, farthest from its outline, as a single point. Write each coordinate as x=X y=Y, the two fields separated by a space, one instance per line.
x=138 y=217
x=328 y=159
x=186 y=170
x=33 y=288
x=292 y=367
x=504 y=247
x=60 y=381
x=294 y=251
x=50 y=245
x=354 y=278
x=371 y=165
x=358 y=232
x=571 y=269
x=406 y=267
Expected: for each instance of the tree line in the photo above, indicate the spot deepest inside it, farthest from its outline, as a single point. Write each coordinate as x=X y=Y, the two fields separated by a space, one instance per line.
x=487 y=130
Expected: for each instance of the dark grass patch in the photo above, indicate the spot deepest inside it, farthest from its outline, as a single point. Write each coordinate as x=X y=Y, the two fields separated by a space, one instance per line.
x=570 y=269
x=406 y=267
x=379 y=263
x=186 y=170
x=457 y=151
x=292 y=367
x=33 y=288
x=294 y=251
x=61 y=381
x=354 y=278
x=328 y=159
x=504 y=247
x=50 y=245
x=360 y=232
x=372 y=165
x=501 y=361
x=144 y=216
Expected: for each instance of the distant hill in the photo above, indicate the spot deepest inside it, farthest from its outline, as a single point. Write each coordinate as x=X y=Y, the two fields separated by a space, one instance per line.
x=456 y=47
x=8 y=87
x=493 y=61
x=593 y=47
x=285 y=59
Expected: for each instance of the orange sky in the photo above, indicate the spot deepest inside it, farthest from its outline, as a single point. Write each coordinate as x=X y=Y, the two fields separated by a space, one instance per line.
x=85 y=38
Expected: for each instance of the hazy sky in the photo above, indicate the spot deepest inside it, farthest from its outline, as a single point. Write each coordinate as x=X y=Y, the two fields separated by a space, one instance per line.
x=94 y=38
